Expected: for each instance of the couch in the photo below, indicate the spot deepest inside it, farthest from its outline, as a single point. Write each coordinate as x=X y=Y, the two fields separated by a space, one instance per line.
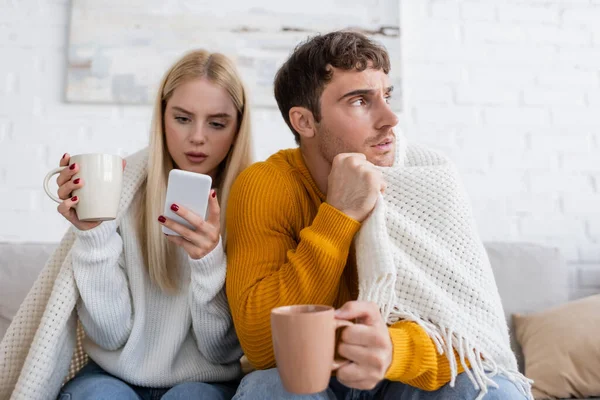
x=529 y=277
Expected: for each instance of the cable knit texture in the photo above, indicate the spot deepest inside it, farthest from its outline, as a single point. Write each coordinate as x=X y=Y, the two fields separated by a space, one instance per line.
x=288 y=246
x=94 y=297
x=419 y=257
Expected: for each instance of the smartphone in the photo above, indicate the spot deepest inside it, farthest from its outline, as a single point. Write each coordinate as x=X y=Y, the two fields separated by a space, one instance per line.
x=187 y=189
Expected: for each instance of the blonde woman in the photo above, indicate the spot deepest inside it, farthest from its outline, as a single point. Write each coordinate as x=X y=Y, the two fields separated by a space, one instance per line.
x=152 y=306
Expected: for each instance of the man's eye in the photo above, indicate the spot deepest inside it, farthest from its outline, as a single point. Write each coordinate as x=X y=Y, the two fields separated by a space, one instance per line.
x=358 y=102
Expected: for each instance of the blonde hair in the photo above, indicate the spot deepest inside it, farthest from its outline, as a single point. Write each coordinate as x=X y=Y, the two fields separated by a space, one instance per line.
x=159 y=254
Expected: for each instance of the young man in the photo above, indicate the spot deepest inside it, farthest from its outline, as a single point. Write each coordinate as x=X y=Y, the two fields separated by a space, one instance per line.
x=292 y=219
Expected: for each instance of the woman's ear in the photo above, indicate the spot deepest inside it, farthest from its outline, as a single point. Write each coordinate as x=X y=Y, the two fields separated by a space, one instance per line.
x=302 y=121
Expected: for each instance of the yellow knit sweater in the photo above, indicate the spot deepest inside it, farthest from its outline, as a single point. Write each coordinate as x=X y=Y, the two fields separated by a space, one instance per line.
x=287 y=246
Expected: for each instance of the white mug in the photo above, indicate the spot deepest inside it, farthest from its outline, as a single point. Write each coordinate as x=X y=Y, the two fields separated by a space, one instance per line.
x=102 y=176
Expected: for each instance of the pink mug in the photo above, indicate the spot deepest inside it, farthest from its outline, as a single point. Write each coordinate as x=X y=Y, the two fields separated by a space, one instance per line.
x=304 y=342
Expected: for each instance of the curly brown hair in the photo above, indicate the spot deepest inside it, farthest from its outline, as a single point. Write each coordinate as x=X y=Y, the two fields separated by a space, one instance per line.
x=302 y=78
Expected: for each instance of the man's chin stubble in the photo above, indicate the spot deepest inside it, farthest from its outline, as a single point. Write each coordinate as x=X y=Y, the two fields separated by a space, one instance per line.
x=383 y=160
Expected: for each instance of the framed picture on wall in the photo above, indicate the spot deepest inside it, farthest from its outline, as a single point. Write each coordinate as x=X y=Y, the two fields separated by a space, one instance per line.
x=118 y=50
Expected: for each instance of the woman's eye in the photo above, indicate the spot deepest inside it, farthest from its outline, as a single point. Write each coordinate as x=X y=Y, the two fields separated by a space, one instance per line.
x=388 y=99
x=182 y=120
x=217 y=125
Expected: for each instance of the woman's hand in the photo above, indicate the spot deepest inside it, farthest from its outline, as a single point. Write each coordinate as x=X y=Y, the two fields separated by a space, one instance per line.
x=201 y=241
x=66 y=186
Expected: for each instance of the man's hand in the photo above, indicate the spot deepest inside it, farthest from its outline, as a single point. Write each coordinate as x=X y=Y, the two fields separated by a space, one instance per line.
x=354 y=185
x=367 y=344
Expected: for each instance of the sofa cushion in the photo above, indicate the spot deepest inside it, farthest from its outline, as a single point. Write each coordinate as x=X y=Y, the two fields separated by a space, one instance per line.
x=565 y=336
x=20 y=264
x=530 y=278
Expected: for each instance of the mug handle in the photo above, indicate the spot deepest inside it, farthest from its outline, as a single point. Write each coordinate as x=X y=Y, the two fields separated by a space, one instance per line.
x=340 y=362
x=47 y=179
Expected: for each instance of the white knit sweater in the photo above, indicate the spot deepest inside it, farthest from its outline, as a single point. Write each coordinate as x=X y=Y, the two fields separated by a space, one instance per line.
x=132 y=329
x=137 y=332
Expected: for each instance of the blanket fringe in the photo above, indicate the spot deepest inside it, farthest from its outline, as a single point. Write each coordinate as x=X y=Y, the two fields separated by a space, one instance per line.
x=482 y=367
x=383 y=288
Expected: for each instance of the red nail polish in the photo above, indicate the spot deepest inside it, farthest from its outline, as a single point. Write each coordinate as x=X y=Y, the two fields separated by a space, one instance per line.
x=162 y=219
x=214 y=194
x=74 y=198
x=64 y=155
x=174 y=207
x=72 y=167
x=76 y=181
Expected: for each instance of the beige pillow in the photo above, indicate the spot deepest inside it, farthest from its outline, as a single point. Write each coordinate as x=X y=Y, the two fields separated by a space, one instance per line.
x=562 y=349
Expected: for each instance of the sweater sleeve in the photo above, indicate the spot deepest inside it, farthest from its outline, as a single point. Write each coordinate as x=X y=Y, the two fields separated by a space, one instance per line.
x=105 y=308
x=415 y=359
x=211 y=319
x=270 y=267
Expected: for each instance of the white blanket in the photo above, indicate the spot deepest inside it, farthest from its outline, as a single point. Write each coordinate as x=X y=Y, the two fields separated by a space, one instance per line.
x=420 y=259
x=43 y=345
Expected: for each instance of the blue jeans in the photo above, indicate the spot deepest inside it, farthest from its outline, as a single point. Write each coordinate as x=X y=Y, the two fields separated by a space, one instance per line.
x=93 y=383
x=267 y=385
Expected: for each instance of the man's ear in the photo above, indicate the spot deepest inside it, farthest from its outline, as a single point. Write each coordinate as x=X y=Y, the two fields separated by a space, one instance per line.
x=303 y=121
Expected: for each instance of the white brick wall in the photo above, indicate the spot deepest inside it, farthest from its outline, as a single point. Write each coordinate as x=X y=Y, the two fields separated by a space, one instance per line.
x=513 y=98
x=509 y=89
x=37 y=127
